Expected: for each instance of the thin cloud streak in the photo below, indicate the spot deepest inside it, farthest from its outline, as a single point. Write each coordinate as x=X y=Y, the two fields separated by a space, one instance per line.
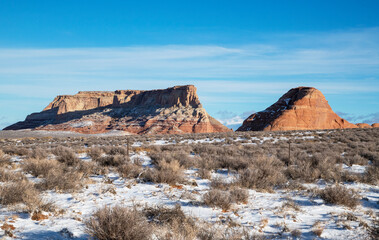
x=343 y=53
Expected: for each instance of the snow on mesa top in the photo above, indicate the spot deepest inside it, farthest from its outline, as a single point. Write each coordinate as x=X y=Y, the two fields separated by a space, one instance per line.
x=173 y=110
x=301 y=108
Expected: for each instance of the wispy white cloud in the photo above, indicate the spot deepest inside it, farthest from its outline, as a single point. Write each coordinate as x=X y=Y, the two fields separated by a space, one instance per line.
x=341 y=62
x=352 y=52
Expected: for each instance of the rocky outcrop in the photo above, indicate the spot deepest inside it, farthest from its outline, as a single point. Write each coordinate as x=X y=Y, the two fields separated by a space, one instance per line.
x=363 y=125
x=302 y=108
x=173 y=110
x=375 y=125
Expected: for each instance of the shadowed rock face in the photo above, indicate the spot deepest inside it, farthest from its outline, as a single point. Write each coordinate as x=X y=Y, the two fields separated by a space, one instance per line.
x=302 y=108
x=172 y=110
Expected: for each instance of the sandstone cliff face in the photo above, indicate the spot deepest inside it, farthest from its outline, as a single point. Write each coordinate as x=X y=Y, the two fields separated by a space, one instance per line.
x=302 y=108
x=172 y=110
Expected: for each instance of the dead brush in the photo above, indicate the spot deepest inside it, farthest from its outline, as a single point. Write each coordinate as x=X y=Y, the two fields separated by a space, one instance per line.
x=170 y=173
x=129 y=170
x=374 y=229
x=171 y=222
x=264 y=173
x=39 y=167
x=95 y=153
x=340 y=195
x=66 y=179
x=218 y=198
x=66 y=155
x=16 y=151
x=4 y=159
x=118 y=223
x=20 y=192
x=38 y=153
x=7 y=176
x=112 y=160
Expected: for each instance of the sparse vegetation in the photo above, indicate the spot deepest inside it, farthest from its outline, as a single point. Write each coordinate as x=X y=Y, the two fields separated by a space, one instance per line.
x=339 y=195
x=118 y=223
x=225 y=172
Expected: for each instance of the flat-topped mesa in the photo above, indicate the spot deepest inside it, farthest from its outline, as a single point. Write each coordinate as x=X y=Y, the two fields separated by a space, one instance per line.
x=86 y=100
x=174 y=110
x=301 y=108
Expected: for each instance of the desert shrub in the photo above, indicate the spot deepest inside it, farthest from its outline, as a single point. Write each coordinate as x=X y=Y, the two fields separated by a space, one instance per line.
x=38 y=153
x=95 y=153
x=39 y=167
x=219 y=183
x=171 y=173
x=4 y=159
x=371 y=174
x=169 y=155
x=171 y=223
x=112 y=150
x=129 y=170
x=239 y=195
x=112 y=160
x=309 y=169
x=20 y=192
x=118 y=223
x=204 y=173
x=218 y=198
x=264 y=173
x=16 y=150
x=7 y=176
x=374 y=229
x=339 y=195
x=66 y=155
x=63 y=179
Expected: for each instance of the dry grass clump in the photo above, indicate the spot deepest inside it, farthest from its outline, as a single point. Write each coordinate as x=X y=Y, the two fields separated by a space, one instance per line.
x=264 y=173
x=113 y=150
x=20 y=192
x=38 y=153
x=63 y=179
x=7 y=176
x=374 y=229
x=371 y=174
x=224 y=199
x=239 y=195
x=118 y=223
x=66 y=155
x=167 y=154
x=16 y=150
x=170 y=173
x=39 y=167
x=318 y=228
x=218 y=198
x=95 y=153
x=339 y=195
x=112 y=160
x=171 y=223
x=130 y=170
x=318 y=166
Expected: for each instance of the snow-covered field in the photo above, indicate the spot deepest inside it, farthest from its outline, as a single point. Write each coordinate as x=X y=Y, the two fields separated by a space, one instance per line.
x=283 y=213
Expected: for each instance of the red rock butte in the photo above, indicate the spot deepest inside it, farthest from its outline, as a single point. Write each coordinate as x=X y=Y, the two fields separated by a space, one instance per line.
x=301 y=108
x=173 y=111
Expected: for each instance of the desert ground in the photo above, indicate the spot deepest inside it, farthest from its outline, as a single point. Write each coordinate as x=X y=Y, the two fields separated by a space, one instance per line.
x=244 y=185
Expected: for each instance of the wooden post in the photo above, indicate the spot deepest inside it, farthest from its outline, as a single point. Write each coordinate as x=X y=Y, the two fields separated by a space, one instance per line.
x=289 y=152
x=127 y=147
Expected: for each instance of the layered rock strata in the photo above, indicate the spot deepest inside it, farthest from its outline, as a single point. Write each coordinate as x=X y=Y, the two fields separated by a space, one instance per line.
x=173 y=110
x=301 y=108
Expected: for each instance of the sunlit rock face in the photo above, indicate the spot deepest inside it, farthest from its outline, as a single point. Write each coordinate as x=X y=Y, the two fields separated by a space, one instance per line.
x=173 y=110
x=301 y=108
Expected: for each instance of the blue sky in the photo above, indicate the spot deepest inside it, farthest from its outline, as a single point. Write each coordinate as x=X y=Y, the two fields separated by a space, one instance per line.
x=241 y=55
